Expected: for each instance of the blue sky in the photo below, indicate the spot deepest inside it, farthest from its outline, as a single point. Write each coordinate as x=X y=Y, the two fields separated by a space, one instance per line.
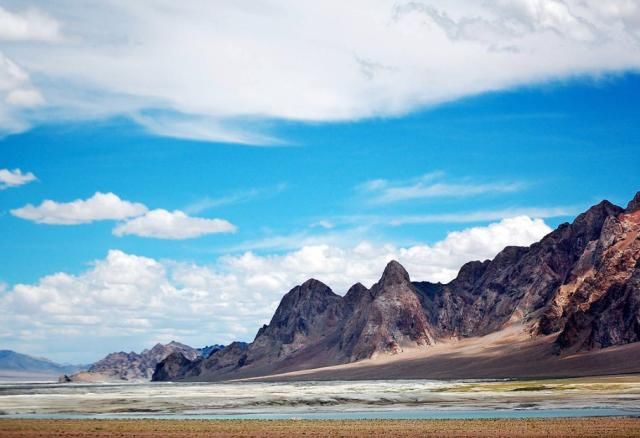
x=225 y=190
x=564 y=145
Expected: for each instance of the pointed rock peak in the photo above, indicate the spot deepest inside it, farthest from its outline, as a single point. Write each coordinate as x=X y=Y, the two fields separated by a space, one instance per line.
x=314 y=285
x=311 y=288
x=357 y=288
x=598 y=212
x=355 y=293
x=634 y=204
x=394 y=273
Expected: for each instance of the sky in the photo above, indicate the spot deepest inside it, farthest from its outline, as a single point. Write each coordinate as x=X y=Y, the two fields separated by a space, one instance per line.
x=168 y=171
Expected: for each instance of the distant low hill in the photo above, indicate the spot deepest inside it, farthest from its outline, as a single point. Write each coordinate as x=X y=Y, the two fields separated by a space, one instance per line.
x=132 y=366
x=19 y=366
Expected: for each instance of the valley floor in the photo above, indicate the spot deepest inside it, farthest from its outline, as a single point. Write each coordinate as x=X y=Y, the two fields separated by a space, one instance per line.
x=568 y=427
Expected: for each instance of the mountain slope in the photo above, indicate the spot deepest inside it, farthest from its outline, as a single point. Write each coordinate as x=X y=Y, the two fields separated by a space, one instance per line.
x=577 y=289
x=15 y=365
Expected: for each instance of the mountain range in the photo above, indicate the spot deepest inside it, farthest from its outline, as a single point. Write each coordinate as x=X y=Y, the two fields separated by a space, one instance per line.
x=134 y=366
x=566 y=305
x=118 y=366
x=14 y=365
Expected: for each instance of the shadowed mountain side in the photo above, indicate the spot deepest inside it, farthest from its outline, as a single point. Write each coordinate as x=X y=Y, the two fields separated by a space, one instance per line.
x=578 y=289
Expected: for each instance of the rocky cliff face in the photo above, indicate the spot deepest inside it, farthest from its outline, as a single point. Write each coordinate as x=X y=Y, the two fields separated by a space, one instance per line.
x=132 y=366
x=389 y=319
x=580 y=283
x=601 y=306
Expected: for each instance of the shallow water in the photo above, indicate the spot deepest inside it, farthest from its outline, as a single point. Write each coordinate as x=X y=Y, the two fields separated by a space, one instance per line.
x=339 y=400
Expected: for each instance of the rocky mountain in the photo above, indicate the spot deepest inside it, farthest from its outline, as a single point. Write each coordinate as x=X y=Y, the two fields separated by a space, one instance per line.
x=209 y=349
x=132 y=366
x=577 y=289
x=16 y=365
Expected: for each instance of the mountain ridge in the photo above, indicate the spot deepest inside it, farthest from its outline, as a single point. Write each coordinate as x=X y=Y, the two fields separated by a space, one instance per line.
x=577 y=285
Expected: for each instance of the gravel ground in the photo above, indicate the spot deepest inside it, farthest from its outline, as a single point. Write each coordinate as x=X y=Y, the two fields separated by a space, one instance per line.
x=569 y=427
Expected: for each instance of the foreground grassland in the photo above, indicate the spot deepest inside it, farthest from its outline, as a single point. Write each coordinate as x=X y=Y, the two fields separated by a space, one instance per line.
x=570 y=427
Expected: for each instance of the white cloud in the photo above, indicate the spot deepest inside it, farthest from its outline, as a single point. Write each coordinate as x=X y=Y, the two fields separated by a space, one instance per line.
x=128 y=301
x=250 y=62
x=163 y=224
x=29 y=25
x=24 y=98
x=431 y=185
x=101 y=206
x=203 y=128
x=136 y=218
x=16 y=95
x=14 y=178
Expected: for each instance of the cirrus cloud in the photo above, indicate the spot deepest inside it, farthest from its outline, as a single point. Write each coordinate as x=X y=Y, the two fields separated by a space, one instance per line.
x=432 y=185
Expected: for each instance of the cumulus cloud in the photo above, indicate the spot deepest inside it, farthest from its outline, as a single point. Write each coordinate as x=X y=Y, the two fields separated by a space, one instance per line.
x=136 y=218
x=129 y=301
x=247 y=63
x=176 y=225
x=101 y=206
x=431 y=185
x=14 y=178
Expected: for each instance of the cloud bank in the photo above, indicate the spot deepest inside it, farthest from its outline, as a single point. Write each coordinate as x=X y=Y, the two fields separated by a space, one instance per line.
x=135 y=301
x=217 y=71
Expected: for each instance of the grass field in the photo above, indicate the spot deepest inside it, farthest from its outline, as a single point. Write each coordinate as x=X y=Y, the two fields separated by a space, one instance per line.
x=573 y=427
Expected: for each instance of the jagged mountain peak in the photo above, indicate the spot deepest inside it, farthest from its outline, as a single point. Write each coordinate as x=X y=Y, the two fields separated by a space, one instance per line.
x=311 y=291
x=315 y=286
x=394 y=273
x=358 y=287
x=595 y=216
x=634 y=204
x=355 y=294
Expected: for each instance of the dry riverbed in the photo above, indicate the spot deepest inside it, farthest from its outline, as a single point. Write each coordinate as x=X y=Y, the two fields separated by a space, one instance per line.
x=570 y=427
